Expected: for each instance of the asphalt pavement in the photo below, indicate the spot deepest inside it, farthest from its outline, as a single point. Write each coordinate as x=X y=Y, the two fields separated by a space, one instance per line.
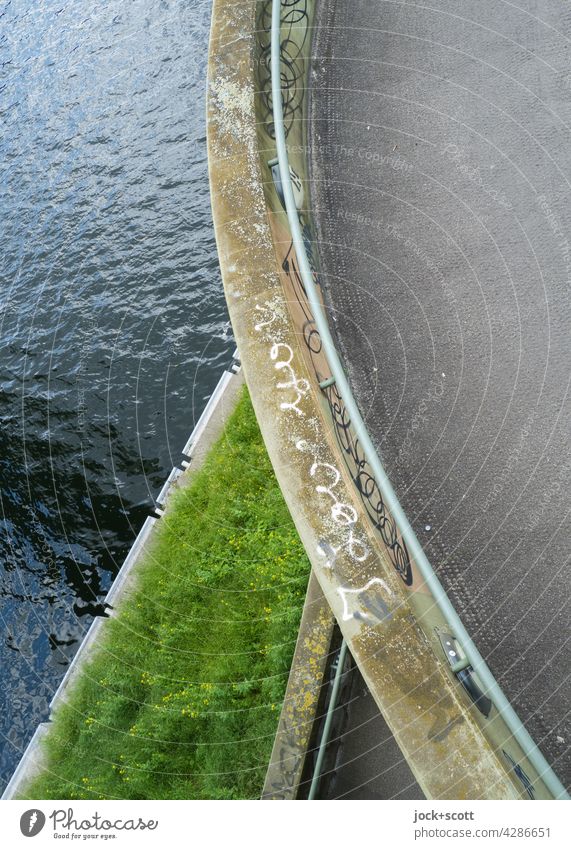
x=441 y=167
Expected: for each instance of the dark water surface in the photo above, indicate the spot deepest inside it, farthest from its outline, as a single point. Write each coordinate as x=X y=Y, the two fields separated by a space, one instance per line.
x=112 y=319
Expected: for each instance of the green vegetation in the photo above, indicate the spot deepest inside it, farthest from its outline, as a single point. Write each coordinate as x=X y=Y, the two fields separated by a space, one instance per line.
x=181 y=698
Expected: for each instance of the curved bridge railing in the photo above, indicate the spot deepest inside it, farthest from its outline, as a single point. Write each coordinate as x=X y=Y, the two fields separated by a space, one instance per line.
x=284 y=35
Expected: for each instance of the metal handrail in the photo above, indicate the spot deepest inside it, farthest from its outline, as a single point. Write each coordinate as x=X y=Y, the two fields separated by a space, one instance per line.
x=512 y=720
x=328 y=722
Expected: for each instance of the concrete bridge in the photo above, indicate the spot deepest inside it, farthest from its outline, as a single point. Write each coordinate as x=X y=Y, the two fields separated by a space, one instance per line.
x=407 y=165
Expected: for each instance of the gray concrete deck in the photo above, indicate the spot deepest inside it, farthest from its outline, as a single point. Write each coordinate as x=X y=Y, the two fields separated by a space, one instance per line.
x=442 y=193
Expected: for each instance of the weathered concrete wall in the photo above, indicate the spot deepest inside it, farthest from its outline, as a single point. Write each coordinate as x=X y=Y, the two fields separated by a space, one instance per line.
x=304 y=684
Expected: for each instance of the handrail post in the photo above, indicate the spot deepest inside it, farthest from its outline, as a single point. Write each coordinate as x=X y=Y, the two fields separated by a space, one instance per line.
x=328 y=720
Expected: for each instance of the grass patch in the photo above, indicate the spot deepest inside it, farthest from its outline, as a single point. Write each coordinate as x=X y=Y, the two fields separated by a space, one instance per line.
x=181 y=699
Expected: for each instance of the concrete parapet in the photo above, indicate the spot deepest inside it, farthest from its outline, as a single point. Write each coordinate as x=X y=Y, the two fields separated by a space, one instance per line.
x=298 y=713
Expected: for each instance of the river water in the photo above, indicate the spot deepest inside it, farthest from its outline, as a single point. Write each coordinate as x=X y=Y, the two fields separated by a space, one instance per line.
x=113 y=326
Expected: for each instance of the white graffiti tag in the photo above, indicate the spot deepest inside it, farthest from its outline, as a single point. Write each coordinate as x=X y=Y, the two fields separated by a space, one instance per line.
x=299 y=385
x=266 y=308
x=365 y=604
x=343 y=514
x=282 y=355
